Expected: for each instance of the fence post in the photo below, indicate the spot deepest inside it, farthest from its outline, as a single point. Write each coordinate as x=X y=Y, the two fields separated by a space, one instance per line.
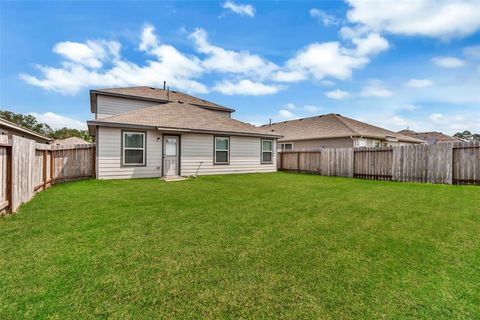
x=44 y=169
x=298 y=161
x=52 y=170
x=9 y=178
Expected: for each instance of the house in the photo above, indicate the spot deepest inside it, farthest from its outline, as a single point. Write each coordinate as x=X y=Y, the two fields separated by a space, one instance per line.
x=147 y=132
x=9 y=128
x=71 y=141
x=334 y=131
x=430 y=137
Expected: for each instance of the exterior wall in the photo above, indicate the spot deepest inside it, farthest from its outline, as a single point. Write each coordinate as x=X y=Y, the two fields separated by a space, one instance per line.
x=197 y=154
x=108 y=106
x=321 y=143
x=341 y=143
x=109 y=149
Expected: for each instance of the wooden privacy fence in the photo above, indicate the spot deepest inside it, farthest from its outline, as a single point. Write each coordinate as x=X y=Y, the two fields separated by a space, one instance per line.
x=447 y=163
x=27 y=167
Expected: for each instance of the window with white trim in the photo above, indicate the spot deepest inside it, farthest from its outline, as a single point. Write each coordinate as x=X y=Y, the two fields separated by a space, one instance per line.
x=133 y=148
x=267 y=151
x=222 y=150
x=286 y=146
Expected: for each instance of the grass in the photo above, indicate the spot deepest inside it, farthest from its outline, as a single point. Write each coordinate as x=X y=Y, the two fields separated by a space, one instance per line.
x=243 y=246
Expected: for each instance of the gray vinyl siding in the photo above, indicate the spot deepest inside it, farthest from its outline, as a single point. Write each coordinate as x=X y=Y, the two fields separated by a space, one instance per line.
x=197 y=154
x=109 y=149
x=108 y=106
x=245 y=155
x=321 y=143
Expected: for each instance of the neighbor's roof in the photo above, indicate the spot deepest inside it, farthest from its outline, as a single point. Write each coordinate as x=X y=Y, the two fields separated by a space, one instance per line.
x=27 y=133
x=156 y=95
x=332 y=126
x=430 y=137
x=177 y=116
x=71 y=140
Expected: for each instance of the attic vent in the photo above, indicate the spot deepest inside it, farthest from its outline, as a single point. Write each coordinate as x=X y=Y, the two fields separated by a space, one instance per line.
x=174 y=91
x=300 y=119
x=180 y=101
x=320 y=116
x=152 y=88
x=338 y=114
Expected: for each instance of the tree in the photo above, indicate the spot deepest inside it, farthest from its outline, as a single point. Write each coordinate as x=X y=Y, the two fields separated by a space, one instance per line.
x=467 y=136
x=27 y=121
x=30 y=122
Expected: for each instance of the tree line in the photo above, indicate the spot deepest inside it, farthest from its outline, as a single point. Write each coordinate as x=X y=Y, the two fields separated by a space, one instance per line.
x=30 y=122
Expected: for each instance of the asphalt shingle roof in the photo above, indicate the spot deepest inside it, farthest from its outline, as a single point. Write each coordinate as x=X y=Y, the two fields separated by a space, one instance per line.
x=161 y=95
x=175 y=115
x=332 y=126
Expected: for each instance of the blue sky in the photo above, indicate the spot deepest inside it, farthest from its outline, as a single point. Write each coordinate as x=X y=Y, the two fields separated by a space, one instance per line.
x=390 y=63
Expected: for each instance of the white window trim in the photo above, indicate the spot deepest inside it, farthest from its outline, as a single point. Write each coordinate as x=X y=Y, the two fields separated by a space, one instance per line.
x=124 y=148
x=215 y=150
x=262 y=151
x=282 y=145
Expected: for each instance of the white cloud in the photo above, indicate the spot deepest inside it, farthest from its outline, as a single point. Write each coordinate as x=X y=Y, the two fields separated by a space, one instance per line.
x=57 y=121
x=320 y=60
x=375 y=89
x=290 y=106
x=472 y=52
x=337 y=94
x=90 y=54
x=286 y=114
x=325 y=18
x=245 y=87
x=312 y=109
x=230 y=61
x=441 y=19
x=149 y=40
x=371 y=45
x=448 y=62
x=289 y=76
x=241 y=9
x=170 y=65
x=408 y=107
x=435 y=116
x=419 y=83
x=327 y=83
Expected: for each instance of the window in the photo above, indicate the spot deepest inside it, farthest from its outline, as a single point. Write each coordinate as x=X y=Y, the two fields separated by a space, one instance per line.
x=267 y=151
x=286 y=146
x=133 y=148
x=222 y=150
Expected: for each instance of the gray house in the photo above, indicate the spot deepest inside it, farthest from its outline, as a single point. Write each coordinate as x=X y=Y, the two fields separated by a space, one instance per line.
x=334 y=131
x=147 y=132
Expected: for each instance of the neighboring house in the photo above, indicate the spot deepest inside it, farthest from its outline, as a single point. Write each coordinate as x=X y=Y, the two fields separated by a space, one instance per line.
x=70 y=141
x=334 y=131
x=430 y=137
x=139 y=134
x=9 y=128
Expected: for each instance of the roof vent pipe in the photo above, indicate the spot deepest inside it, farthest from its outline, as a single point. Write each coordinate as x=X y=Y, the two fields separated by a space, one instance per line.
x=164 y=84
x=168 y=93
x=270 y=122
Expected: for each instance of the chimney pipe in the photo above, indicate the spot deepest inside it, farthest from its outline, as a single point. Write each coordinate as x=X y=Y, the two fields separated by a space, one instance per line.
x=164 y=84
x=270 y=122
x=168 y=93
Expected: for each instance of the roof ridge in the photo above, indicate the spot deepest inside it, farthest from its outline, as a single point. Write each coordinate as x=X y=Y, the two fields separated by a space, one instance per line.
x=299 y=119
x=340 y=118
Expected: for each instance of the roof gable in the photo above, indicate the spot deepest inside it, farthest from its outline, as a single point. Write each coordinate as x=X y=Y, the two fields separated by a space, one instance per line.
x=182 y=116
x=156 y=95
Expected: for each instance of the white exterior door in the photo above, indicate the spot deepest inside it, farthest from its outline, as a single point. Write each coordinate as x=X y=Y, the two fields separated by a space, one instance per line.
x=171 y=156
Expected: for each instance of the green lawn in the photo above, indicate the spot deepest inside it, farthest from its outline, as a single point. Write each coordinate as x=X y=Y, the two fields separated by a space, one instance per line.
x=243 y=246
